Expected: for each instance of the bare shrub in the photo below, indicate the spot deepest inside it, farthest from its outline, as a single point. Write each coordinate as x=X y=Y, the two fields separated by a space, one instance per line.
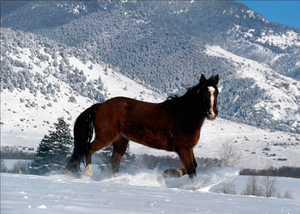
x=21 y=167
x=229 y=155
x=252 y=187
x=269 y=186
x=227 y=188
x=288 y=194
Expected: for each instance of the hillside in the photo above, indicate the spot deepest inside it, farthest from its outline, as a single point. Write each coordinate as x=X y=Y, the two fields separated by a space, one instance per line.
x=41 y=83
x=164 y=44
x=58 y=58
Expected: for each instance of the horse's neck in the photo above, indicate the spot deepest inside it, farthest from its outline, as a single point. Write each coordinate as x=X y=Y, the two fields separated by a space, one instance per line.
x=187 y=111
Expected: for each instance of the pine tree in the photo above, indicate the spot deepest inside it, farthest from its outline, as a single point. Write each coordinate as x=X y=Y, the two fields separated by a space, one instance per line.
x=53 y=150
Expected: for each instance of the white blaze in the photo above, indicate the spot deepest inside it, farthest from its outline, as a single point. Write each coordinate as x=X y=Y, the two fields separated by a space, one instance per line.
x=212 y=99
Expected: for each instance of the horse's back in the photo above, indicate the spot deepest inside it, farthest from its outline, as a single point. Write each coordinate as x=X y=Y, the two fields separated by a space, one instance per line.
x=123 y=111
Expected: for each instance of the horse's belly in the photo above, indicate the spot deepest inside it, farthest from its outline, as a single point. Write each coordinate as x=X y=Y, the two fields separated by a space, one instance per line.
x=155 y=144
x=158 y=139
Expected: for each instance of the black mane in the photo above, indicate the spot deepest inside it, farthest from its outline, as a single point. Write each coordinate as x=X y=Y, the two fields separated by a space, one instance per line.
x=192 y=90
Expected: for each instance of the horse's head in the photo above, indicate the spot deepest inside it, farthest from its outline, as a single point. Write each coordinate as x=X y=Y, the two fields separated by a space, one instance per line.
x=209 y=93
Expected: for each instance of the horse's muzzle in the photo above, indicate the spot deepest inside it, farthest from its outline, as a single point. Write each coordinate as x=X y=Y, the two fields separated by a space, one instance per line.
x=212 y=115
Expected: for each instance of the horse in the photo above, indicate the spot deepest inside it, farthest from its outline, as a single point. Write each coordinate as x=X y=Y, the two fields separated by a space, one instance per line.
x=173 y=125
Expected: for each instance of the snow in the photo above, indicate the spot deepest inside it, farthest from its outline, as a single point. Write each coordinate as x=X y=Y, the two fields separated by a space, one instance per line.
x=282 y=41
x=26 y=126
x=142 y=192
x=283 y=91
x=116 y=84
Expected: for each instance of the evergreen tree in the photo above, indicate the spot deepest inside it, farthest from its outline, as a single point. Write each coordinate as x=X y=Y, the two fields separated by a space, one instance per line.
x=53 y=150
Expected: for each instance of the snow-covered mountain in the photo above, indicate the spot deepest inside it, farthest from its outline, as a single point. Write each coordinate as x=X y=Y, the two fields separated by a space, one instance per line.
x=58 y=58
x=282 y=94
x=165 y=44
x=28 y=113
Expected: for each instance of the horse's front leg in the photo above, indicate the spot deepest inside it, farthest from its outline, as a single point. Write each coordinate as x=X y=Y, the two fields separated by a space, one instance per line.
x=188 y=161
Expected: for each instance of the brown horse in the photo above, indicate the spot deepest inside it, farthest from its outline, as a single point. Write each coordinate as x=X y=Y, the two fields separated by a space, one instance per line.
x=173 y=125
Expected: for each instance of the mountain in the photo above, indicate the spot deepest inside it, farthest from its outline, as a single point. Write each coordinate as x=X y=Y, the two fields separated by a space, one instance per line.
x=165 y=44
x=58 y=58
x=229 y=24
x=42 y=78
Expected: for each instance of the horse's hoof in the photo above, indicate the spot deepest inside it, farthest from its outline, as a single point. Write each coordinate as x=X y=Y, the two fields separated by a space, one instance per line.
x=173 y=173
x=85 y=177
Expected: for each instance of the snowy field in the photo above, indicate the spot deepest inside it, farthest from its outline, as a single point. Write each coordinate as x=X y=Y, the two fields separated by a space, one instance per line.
x=141 y=192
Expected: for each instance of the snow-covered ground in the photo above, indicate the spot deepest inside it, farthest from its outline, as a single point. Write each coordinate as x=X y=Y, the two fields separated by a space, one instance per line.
x=141 y=192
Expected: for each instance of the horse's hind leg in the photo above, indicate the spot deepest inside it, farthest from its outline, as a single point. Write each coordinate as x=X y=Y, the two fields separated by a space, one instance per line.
x=96 y=145
x=119 y=147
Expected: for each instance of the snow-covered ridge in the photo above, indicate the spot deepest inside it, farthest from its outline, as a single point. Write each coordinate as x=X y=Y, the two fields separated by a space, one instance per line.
x=283 y=93
x=26 y=116
x=283 y=40
x=115 y=83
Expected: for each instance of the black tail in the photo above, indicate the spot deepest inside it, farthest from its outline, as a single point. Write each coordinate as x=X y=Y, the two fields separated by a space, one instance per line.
x=83 y=133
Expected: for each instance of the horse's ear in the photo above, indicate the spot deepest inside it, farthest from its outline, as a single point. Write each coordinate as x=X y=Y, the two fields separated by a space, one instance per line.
x=202 y=79
x=216 y=79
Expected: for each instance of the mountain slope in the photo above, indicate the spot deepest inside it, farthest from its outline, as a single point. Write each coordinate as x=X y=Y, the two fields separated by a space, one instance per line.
x=41 y=82
x=282 y=94
x=164 y=44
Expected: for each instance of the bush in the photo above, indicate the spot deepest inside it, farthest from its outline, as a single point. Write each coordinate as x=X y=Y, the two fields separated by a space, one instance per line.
x=252 y=187
x=229 y=155
x=21 y=167
x=264 y=186
x=227 y=188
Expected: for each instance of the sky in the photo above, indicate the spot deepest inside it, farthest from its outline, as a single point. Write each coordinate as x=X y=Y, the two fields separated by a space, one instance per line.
x=285 y=12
